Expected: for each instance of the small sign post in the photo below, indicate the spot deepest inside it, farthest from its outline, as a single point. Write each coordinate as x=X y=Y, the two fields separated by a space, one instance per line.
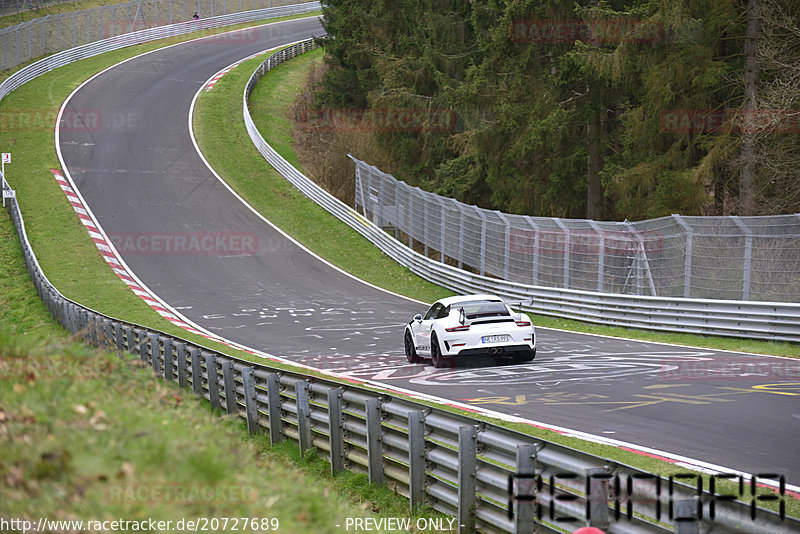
x=7 y=193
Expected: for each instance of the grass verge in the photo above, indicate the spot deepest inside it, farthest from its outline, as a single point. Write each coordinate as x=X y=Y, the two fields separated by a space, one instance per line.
x=78 y=446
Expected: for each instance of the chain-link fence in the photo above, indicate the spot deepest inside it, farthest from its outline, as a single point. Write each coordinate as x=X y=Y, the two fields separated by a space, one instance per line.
x=50 y=34
x=732 y=258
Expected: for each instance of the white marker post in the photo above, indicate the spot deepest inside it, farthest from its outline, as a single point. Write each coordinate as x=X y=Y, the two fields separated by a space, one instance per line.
x=7 y=193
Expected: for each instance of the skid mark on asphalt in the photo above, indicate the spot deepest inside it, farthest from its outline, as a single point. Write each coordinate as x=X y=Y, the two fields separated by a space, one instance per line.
x=636 y=400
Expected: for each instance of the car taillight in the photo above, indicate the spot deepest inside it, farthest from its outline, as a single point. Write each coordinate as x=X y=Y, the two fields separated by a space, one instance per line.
x=462 y=328
x=523 y=323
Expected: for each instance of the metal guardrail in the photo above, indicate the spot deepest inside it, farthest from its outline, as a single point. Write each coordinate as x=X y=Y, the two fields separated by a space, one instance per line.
x=142 y=36
x=759 y=320
x=490 y=478
x=52 y=33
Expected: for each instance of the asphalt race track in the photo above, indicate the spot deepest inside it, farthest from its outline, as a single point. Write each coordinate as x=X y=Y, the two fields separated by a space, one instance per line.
x=140 y=174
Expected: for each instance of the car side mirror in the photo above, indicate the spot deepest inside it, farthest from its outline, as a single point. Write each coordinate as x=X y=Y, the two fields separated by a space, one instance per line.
x=418 y=318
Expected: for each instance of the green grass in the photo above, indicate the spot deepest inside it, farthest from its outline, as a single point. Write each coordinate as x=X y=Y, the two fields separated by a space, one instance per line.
x=78 y=445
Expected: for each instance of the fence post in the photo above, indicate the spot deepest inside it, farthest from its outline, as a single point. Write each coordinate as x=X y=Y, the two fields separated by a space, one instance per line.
x=520 y=501
x=213 y=379
x=601 y=258
x=748 y=256
x=483 y=239
x=686 y=521
x=567 y=249
x=507 y=245
x=250 y=400
x=303 y=415
x=231 y=406
x=467 y=469
x=416 y=459
x=197 y=372
x=274 y=399
x=461 y=218
x=374 y=445
x=687 y=267
x=335 y=424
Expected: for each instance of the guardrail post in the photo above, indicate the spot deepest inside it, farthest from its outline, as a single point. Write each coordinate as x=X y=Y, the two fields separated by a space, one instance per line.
x=131 y=344
x=467 y=469
x=141 y=337
x=250 y=401
x=83 y=324
x=274 y=399
x=91 y=329
x=686 y=521
x=180 y=356
x=119 y=335
x=597 y=497
x=108 y=333
x=213 y=379
x=197 y=372
x=231 y=406
x=374 y=445
x=335 y=424
x=155 y=354
x=416 y=459
x=522 y=489
x=167 y=343
x=303 y=415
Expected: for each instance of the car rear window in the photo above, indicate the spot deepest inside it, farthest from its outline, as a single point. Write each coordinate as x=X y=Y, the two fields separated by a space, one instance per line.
x=483 y=308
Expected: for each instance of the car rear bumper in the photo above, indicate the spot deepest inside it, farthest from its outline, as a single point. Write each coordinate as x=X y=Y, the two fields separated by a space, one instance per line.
x=507 y=350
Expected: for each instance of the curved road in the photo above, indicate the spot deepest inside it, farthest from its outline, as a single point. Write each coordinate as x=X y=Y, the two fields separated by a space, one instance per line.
x=139 y=172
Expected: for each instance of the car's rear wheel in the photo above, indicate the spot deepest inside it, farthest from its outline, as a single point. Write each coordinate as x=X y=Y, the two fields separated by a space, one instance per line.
x=525 y=356
x=438 y=360
x=411 y=352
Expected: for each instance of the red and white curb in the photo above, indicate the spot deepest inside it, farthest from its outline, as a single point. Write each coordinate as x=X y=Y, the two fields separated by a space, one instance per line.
x=108 y=252
x=214 y=79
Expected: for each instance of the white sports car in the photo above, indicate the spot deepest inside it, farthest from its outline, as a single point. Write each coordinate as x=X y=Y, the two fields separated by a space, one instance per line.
x=469 y=325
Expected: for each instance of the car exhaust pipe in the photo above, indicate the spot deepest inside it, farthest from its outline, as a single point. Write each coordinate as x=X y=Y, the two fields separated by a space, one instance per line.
x=495 y=350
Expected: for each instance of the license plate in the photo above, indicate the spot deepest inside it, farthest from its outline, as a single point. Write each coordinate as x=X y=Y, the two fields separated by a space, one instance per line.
x=495 y=339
